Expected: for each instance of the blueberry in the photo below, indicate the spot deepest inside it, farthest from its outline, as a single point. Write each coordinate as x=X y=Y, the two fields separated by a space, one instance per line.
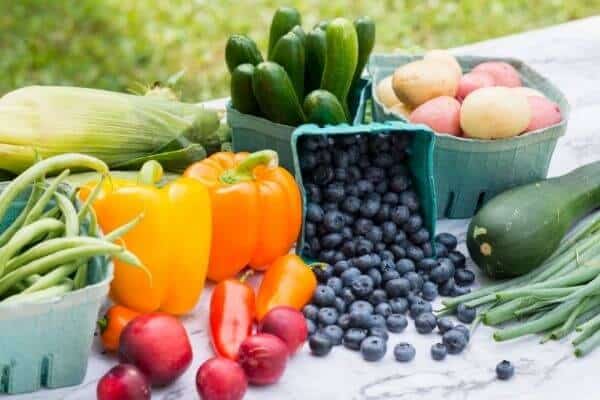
x=398 y=251
x=310 y=311
x=344 y=321
x=376 y=276
x=447 y=239
x=308 y=161
x=311 y=327
x=410 y=199
x=377 y=320
x=354 y=337
x=400 y=215
x=464 y=277
x=353 y=171
x=373 y=348
x=399 y=287
x=324 y=155
x=347 y=233
x=438 y=351
x=427 y=249
x=390 y=198
x=387 y=265
x=405 y=265
x=404 y=352
x=322 y=174
x=341 y=159
x=414 y=223
x=363 y=248
x=340 y=305
x=460 y=290
x=365 y=187
x=429 y=291
x=379 y=332
x=443 y=272
x=310 y=143
x=381 y=187
x=420 y=237
x=419 y=307
x=340 y=174
x=323 y=272
x=413 y=298
x=361 y=305
x=464 y=330
x=375 y=234
x=505 y=370
x=390 y=275
x=400 y=239
x=331 y=241
x=457 y=258
x=427 y=264
x=455 y=341
x=369 y=208
x=396 y=323
x=447 y=288
x=383 y=309
x=314 y=213
x=444 y=324
x=334 y=221
x=362 y=226
x=389 y=230
x=383 y=160
x=313 y=192
x=383 y=214
x=374 y=174
x=440 y=250
x=327 y=316
x=425 y=323
x=348 y=249
x=399 y=183
x=319 y=344
x=324 y=296
x=351 y=204
x=334 y=333
x=362 y=286
x=349 y=275
x=415 y=253
x=352 y=190
x=399 y=305
x=310 y=230
x=465 y=314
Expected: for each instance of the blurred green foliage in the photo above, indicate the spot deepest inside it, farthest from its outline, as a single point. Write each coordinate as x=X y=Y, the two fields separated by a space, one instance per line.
x=112 y=43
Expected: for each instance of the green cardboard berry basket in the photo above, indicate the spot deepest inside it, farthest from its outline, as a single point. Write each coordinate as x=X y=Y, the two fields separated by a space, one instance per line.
x=251 y=133
x=47 y=344
x=470 y=172
x=420 y=161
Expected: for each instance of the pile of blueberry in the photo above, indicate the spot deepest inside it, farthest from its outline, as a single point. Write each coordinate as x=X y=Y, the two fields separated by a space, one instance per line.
x=363 y=221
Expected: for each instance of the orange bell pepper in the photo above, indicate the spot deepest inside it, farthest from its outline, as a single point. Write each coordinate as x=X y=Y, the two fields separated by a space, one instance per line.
x=256 y=210
x=289 y=281
x=172 y=240
x=112 y=324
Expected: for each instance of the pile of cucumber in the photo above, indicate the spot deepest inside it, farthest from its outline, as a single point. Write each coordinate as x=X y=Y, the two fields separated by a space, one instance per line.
x=309 y=76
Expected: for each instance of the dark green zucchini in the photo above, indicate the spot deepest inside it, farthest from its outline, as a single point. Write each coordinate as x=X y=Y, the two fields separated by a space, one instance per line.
x=315 y=48
x=365 y=32
x=275 y=94
x=520 y=228
x=242 y=94
x=289 y=53
x=284 y=20
x=241 y=50
x=323 y=108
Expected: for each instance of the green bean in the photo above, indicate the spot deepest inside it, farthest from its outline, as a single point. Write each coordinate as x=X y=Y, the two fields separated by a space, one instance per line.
x=49 y=262
x=49 y=165
x=504 y=312
x=53 y=212
x=124 y=229
x=18 y=222
x=80 y=279
x=43 y=201
x=90 y=199
x=544 y=293
x=588 y=345
x=569 y=325
x=41 y=295
x=52 y=278
x=25 y=236
x=69 y=214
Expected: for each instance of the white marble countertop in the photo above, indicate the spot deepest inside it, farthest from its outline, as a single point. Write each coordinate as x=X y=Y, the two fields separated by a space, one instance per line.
x=570 y=56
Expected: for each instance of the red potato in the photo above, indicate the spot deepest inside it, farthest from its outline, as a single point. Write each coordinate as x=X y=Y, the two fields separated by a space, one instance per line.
x=288 y=324
x=263 y=357
x=158 y=345
x=473 y=81
x=441 y=114
x=220 y=378
x=544 y=113
x=123 y=382
x=503 y=73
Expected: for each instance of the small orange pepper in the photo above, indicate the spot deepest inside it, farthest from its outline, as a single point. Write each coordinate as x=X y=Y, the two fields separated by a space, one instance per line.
x=112 y=324
x=256 y=210
x=289 y=281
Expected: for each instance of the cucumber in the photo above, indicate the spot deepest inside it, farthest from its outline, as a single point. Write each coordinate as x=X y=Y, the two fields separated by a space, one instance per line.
x=275 y=94
x=241 y=50
x=315 y=47
x=365 y=32
x=341 y=58
x=519 y=229
x=289 y=53
x=323 y=24
x=300 y=33
x=284 y=20
x=323 y=108
x=242 y=94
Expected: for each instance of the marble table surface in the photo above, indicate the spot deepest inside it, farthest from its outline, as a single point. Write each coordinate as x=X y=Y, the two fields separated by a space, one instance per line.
x=570 y=56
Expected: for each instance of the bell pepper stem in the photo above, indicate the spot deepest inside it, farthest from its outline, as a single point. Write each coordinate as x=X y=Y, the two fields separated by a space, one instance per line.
x=102 y=324
x=244 y=171
x=317 y=265
x=150 y=173
x=246 y=275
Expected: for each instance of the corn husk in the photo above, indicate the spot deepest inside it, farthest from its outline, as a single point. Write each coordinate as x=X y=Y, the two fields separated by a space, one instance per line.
x=123 y=130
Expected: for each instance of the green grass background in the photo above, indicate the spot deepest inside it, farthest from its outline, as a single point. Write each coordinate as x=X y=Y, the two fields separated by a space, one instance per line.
x=112 y=43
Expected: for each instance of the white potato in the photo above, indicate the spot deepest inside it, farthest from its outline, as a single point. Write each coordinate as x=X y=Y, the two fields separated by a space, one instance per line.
x=444 y=56
x=385 y=93
x=423 y=80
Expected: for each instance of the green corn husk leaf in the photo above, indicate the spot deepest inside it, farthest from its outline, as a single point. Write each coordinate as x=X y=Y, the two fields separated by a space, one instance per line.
x=119 y=128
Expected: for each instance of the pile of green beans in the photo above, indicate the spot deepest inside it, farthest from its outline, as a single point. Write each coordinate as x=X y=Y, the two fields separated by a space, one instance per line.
x=560 y=297
x=44 y=252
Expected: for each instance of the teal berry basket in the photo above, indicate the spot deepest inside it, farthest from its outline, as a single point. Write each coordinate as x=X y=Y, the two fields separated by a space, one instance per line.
x=251 y=133
x=47 y=344
x=420 y=161
x=469 y=172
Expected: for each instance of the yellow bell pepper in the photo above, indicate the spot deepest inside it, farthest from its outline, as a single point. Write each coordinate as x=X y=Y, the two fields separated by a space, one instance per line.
x=172 y=239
